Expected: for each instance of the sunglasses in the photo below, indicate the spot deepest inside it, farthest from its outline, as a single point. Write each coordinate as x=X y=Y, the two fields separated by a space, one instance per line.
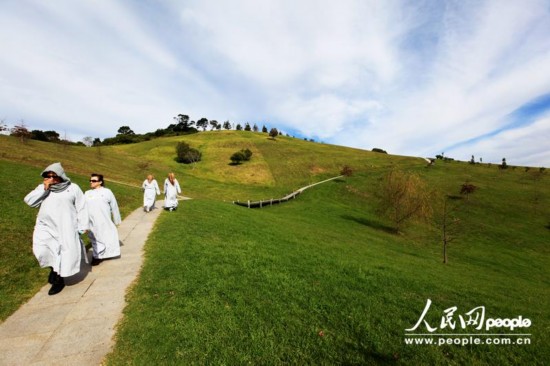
x=93 y=181
x=50 y=176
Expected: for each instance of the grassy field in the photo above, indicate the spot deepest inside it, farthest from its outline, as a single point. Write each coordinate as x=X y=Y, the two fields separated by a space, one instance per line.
x=321 y=279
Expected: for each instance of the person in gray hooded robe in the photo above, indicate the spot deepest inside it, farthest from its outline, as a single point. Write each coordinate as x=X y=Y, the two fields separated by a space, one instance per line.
x=61 y=218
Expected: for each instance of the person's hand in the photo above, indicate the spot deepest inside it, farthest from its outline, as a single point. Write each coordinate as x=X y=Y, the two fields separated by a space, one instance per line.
x=47 y=183
x=49 y=179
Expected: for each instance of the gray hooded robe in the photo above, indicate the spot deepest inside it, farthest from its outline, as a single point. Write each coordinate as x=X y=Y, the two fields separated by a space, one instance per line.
x=62 y=214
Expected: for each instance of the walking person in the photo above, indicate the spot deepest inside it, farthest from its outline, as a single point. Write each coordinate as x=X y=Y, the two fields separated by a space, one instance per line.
x=103 y=234
x=171 y=191
x=60 y=220
x=150 y=191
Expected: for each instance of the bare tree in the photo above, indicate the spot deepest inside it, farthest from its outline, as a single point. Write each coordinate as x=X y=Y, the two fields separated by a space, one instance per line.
x=403 y=197
x=447 y=222
x=3 y=125
x=65 y=142
x=99 y=152
x=21 y=131
x=88 y=141
x=536 y=176
x=467 y=189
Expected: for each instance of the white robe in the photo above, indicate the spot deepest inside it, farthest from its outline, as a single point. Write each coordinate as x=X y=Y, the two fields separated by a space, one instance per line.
x=103 y=233
x=56 y=242
x=171 y=192
x=150 y=190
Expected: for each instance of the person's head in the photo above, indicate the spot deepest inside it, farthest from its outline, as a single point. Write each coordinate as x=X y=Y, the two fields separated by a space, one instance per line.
x=96 y=180
x=171 y=177
x=55 y=174
x=51 y=177
x=150 y=177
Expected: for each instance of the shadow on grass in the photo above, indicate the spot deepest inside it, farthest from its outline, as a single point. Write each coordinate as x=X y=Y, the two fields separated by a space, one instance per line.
x=454 y=197
x=370 y=354
x=373 y=224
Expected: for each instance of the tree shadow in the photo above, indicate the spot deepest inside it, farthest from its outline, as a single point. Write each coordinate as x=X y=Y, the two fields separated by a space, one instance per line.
x=454 y=197
x=370 y=223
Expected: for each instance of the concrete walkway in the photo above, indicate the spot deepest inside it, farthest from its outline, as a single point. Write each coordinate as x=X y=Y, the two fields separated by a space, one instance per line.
x=76 y=326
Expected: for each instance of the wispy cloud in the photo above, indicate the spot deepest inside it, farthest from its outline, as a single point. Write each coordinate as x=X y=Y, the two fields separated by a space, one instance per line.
x=414 y=78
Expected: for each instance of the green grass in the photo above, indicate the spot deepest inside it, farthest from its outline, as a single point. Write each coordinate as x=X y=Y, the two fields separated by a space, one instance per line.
x=321 y=279
x=233 y=285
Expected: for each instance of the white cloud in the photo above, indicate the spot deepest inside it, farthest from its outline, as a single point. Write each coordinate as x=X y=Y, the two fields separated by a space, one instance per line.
x=414 y=78
x=469 y=93
x=324 y=116
x=520 y=146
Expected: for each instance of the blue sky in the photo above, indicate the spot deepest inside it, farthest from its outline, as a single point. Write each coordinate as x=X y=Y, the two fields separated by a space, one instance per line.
x=415 y=78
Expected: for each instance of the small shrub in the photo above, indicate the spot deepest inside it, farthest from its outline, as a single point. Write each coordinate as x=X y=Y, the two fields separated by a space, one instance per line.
x=467 y=189
x=504 y=165
x=378 y=150
x=240 y=156
x=346 y=171
x=192 y=156
x=187 y=154
x=247 y=154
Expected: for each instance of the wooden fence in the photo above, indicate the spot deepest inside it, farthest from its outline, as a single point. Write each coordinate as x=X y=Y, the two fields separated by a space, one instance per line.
x=272 y=201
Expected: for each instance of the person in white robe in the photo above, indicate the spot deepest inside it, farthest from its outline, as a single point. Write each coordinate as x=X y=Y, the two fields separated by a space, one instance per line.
x=103 y=234
x=171 y=191
x=150 y=191
x=61 y=219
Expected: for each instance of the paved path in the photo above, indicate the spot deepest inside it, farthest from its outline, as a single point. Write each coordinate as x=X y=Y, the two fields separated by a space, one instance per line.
x=76 y=326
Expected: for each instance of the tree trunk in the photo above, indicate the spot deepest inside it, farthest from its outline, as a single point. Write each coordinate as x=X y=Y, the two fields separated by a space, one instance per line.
x=445 y=232
x=444 y=250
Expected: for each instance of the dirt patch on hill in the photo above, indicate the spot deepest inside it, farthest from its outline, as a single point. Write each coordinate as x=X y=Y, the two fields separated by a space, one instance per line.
x=317 y=169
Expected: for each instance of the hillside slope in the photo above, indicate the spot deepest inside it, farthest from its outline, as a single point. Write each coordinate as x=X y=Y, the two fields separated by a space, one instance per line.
x=499 y=256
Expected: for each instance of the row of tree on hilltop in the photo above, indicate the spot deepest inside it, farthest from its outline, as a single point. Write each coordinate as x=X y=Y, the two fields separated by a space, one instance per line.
x=125 y=135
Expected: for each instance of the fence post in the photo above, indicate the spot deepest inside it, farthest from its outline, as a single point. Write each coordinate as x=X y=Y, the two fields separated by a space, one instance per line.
x=248 y=203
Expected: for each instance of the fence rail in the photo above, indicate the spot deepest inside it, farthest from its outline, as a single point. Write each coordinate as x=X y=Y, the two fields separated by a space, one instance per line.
x=272 y=201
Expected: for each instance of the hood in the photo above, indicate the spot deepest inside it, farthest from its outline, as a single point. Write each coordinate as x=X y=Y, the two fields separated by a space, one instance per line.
x=57 y=169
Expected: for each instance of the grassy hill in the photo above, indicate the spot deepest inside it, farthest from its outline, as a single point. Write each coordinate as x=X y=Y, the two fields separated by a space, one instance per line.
x=321 y=279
